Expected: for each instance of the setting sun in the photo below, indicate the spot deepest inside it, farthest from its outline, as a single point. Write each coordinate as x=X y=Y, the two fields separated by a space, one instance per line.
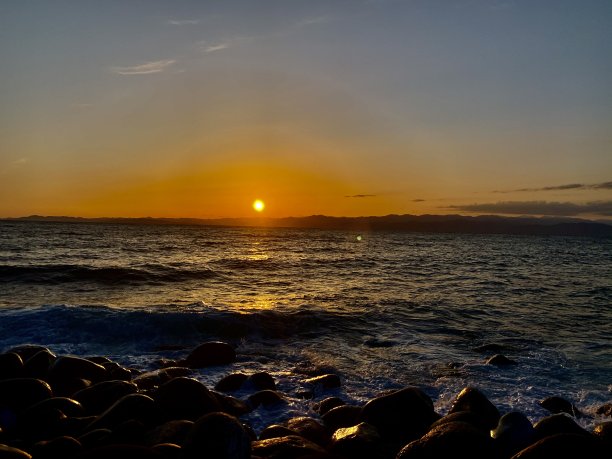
x=258 y=205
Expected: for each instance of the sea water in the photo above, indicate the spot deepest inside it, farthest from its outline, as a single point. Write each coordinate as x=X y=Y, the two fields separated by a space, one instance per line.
x=381 y=309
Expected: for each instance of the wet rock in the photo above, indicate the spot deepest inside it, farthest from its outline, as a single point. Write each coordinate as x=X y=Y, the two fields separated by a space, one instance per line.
x=66 y=405
x=11 y=366
x=310 y=429
x=116 y=372
x=462 y=416
x=121 y=452
x=20 y=393
x=261 y=381
x=500 y=360
x=232 y=405
x=342 y=416
x=39 y=364
x=275 y=431
x=185 y=398
x=99 y=359
x=289 y=447
x=8 y=452
x=560 y=405
x=130 y=432
x=557 y=424
x=210 y=354
x=95 y=437
x=174 y=431
x=60 y=447
x=153 y=379
x=561 y=446
x=454 y=439
x=25 y=351
x=75 y=367
x=329 y=381
x=42 y=426
x=605 y=410
x=327 y=404
x=265 y=398
x=513 y=433
x=67 y=387
x=400 y=416
x=217 y=435
x=474 y=401
x=169 y=450
x=231 y=382
x=360 y=442
x=99 y=397
x=603 y=431
x=133 y=406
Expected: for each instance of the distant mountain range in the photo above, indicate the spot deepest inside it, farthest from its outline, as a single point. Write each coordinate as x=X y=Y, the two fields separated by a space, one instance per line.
x=487 y=224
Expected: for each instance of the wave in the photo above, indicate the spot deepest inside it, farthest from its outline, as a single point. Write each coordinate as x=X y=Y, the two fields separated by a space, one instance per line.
x=64 y=273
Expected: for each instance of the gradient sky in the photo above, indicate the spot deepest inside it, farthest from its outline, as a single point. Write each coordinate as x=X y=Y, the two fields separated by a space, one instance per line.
x=339 y=107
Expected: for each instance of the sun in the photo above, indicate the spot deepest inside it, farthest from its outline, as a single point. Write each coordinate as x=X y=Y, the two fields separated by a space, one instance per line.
x=258 y=205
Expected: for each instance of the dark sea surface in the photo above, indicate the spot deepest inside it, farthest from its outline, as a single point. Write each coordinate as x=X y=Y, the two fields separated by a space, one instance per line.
x=382 y=310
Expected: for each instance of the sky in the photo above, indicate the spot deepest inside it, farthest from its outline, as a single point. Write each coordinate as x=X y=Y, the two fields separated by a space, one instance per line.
x=181 y=108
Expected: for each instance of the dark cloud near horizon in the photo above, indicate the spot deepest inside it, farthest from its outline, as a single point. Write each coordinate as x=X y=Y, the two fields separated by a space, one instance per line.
x=549 y=208
x=418 y=200
x=361 y=196
x=569 y=186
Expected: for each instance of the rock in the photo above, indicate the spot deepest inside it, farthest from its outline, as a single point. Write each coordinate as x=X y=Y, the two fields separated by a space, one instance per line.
x=99 y=397
x=605 y=410
x=66 y=405
x=400 y=416
x=261 y=381
x=232 y=405
x=25 y=351
x=117 y=372
x=185 y=398
x=20 y=393
x=7 y=452
x=11 y=366
x=174 y=431
x=557 y=424
x=603 y=431
x=342 y=416
x=231 y=382
x=560 y=405
x=130 y=432
x=310 y=429
x=471 y=399
x=39 y=364
x=67 y=387
x=133 y=406
x=327 y=404
x=153 y=379
x=169 y=450
x=41 y=426
x=75 y=367
x=275 y=431
x=289 y=447
x=562 y=446
x=360 y=442
x=95 y=437
x=462 y=416
x=265 y=398
x=210 y=354
x=329 y=381
x=453 y=439
x=513 y=433
x=219 y=436
x=59 y=447
x=501 y=361
x=121 y=452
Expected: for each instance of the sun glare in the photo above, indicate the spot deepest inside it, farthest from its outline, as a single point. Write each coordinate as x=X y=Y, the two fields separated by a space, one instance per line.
x=258 y=205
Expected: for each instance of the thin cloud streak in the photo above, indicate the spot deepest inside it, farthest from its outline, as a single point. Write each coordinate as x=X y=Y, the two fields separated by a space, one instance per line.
x=569 y=186
x=213 y=48
x=181 y=22
x=361 y=196
x=549 y=208
x=144 y=69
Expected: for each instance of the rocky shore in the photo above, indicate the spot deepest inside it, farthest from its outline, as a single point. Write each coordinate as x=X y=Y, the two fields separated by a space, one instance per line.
x=71 y=407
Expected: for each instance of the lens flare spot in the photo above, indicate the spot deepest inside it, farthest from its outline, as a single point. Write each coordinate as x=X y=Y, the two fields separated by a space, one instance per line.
x=258 y=205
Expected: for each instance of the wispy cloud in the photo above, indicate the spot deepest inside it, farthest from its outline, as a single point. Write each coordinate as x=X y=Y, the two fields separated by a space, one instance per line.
x=144 y=69
x=313 y=21
x=361 y=196
x=565 y=209
x=20 y=161
x=182 y=22
x=569 y=186
x=210 y=48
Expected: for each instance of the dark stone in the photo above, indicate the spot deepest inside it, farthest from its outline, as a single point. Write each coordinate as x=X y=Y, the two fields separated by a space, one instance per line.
x=41 y=426
x=67 y=387
x=66 y=405
x=117 y=372
x=74 y=426
x=121 y=452
x=454 y=439
x=99 y=359
x=174 y=431
x=11 y=366
x=185 y=398
x=265 y=398
x=462 y=416
x=39 y=364
x=133 y=406
x=153 y=379
x=329 y=381
x=327 y=404
x=261 y=381
x=231 y=382
x=217 y=435
x=99 y=397
x=557 y=424
x=562 y=446
x=75 y=367
x=310 y=429
x=605 y=410
x=60 y=447
x=400 y=416
x=232 y=405
x=560 y=405
x=513 y=433
x=603 y=431
x=95 y=437
x=130 y=432
x=501 y=361
x=288 y=447
x=471 y=399
x=8 y=452
x=275 y=431
x=169 y=450
x=25 y=351
x=342 y=416
x=20 y=393
x=360 y=442
x=210 y=354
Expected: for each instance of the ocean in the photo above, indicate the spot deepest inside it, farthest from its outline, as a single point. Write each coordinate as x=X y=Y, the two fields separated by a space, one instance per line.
x=381 y=309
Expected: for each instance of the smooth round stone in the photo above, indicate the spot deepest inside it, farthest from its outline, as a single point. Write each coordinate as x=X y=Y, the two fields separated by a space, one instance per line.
x=557 y=424
x=266 y=398
x=310 y=429
x=153 y=379
x=501 y=360
x=133 y=406
x=59 y=447
x=20 y=393
x=217 y=435
x=361 y=442
x=39 y=364
x=289 y=447
x=471 y=399
x=329 y=381
x=25 y=351
x=231 y=382
x=8 y=452
x=342 y=416
x=121 y=452
x=513 y=433
x=212 y=353
x=75 y=367
x=275 y=431
x=66 y=405
x=560 y=405
x=99 y=397
x=11 y=366
x=174 y=431
x=261 y=381
x=185 y=398
x=563 y=446
x=327 y=404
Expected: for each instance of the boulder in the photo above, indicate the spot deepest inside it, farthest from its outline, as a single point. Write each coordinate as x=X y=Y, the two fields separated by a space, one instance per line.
x=133 y=406
x=152 y=379
x=185 y=398
x=513 y=433
x=342 y=416
x=39 y=364
x=210 y=354
x=231 y=382
x=260 y=381
x=557 y=405
x=265 y=398
x=67 y=387
x=8 y=452
x=605 y=410
x=60 y=447
x=99 y=397
x=462 y=416
x=603 y=432
x=329 y=381
x=290 y=447
x=11 y=366
x=174 y=431
x=474 y=401
x=232 y=405
x=360 y=442
x=121 y=452
x=17 y=394
x=562 y=446
x=310 y=429
x=25 y=351
x=219 y=436
x=76 y=367
x=275 y=431
x=327 y=404
x=500 y=360
x=557 y=424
